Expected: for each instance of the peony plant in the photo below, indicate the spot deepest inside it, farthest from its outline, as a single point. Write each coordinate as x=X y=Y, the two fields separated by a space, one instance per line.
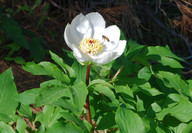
x=93 y=43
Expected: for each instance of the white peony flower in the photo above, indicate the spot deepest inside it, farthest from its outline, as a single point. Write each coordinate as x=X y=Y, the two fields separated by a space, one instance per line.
x=91 y=42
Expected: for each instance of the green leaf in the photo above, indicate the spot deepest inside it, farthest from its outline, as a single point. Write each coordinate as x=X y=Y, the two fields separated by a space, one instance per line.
x=106 y=91
x=50 y=94
x=180 y=128
x=107 y=121
x=140 y=105
x=26 y=111
x=188 y=128
x=49 y=116
x=101 y=82
x=144 y=73
x=181 y=109
x=80 y=70
x=124 y=90
x=36 y=49
x=41 y=129
x=156 y=52
x=46 y=68
x=61 y=127
x=74 y=119
x=5 y=118
x=174 y=81
x=146 y=88
x=8 y=92
x=133 y=48
x=21 y=125
x=166 y=61
x=64 y=66
x=4 y=128
x=28 y=97
x=128 y=121
x=74 y=99
x=79 y=94
x=13 y=31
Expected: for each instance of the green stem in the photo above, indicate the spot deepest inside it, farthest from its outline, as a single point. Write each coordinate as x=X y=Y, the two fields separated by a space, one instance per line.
x=87 y=100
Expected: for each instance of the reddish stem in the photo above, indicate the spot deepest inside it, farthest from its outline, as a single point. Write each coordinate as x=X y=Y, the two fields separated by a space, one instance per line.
x=87 y=74
x=87 y=100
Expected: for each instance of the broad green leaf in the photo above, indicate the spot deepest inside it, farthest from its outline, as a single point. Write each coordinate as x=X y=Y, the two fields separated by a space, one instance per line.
x=106 y=91
x=41 y=129
x=180 y=128
x=28 y=97
x=133 y=48
x=101 y=82
x=25 y=110
x=79 y=94
x=124 y=90
x=21 y=125
x=4 y=128
x=188 y=128
x=141 y=59
x=166 y=61
x=161 y=129
x=156 y=52
x=64 y=66
x=48 y=69
x=5 y=118
x=146 y=88
x=181 y=110
x=74 y=99
x=49 y=116
x=80 y=70
x=107 y=121
x=13 y=31
x=174 y=81
x=140 y=104
x=36 y=49
x=8 y=92
x=128 y=121
x=61 y=127
x=49 y=83
x=131 y=80
x=50 y=94
x=144 y=73
x=74 y=119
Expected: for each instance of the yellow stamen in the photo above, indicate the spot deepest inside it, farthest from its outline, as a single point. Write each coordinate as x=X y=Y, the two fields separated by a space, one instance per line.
x=91 y=46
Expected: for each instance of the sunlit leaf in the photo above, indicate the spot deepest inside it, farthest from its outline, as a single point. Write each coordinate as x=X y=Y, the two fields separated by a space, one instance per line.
x=5 y=128
x=8 y=92
x=128 y=121
x=65 y=67
x=48 y=69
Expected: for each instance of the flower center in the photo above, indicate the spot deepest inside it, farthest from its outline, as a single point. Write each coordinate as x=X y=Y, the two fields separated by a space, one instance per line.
x=91 y=46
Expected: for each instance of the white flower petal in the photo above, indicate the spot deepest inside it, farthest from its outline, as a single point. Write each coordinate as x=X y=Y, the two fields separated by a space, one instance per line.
x=105 y=58
x=80 y=27
x=113 y=33
x=109 y=56
x=96 y=19
x=108 y=46
x=67 y=36
x=98 y=23
x=80 y=56
x=120 y=49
